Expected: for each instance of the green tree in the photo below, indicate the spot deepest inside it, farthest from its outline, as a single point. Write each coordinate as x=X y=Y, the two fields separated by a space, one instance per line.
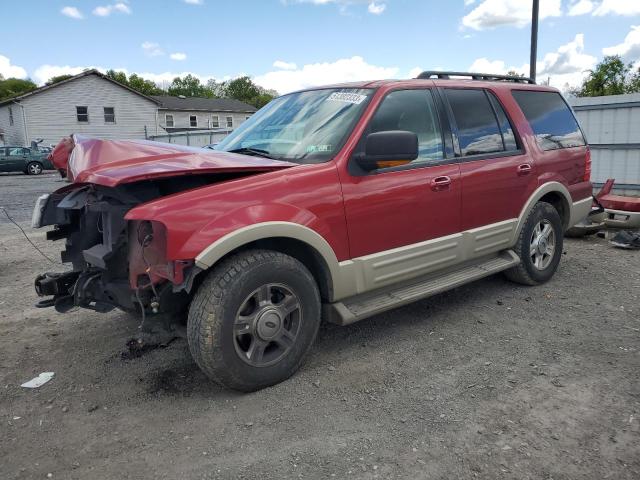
x=58 y=78
x=189 y=86
x=610 y=77
x=12 y=87
x=119 y=77
x=136 y=82
x=146 y=87
x=243 y=89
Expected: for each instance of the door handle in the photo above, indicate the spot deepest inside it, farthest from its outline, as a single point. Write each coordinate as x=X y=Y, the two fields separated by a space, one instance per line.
x=524 y=169
x=440 y=183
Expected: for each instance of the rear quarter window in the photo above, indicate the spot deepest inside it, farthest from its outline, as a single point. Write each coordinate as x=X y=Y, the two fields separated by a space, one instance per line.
x=551 y=119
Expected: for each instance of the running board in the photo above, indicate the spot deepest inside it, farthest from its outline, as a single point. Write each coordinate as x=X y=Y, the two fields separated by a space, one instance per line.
x=365 y=305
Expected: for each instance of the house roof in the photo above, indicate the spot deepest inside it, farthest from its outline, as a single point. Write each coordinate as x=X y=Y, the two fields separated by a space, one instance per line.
x=86 y=73
x=205 y=104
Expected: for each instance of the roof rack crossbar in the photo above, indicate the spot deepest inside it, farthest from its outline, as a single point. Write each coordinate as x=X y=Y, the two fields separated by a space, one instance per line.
x=475 y=76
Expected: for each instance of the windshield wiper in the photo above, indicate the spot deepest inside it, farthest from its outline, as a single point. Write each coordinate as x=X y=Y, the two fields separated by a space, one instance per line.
x=257 y=152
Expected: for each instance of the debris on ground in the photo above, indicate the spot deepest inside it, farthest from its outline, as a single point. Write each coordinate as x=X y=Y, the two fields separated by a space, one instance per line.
x=626 y=239
x=38 y=381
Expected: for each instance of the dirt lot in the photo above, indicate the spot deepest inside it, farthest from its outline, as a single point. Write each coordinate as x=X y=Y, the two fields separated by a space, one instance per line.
x=491 y=380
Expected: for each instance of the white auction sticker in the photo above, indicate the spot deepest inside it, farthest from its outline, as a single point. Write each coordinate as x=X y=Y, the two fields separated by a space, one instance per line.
x=355 y=98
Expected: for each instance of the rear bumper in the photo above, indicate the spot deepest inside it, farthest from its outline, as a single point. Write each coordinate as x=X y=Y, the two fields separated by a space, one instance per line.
x=621 y=219
x=579 y=210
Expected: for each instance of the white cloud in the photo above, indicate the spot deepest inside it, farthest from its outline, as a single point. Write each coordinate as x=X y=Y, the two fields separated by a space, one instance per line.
x=178 y=56
x=7 y=70
x=72 y=12
x=618 y=7
x=282 y=65
x=580 y=7
x=45 y=72
x=342 y=70
x=567 y=59
x=630 y=48
x=566 y=67
x=376 y=8
x=497 y=13
x=415 y=71
x=484 y=65
x=194 y=2
x=152 y=49
x=106 y=10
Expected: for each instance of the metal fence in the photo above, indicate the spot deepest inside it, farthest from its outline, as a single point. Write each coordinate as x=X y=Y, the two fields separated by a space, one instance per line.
x=197 y=138
x=612 y=127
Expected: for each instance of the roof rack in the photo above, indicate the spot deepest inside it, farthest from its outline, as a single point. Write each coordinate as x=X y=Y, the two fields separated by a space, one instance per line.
x=475 y=76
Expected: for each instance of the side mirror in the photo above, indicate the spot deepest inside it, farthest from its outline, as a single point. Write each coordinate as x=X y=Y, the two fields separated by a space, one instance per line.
x=388 y=149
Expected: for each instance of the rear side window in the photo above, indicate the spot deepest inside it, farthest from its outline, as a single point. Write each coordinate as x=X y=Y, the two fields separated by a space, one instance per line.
x=505 y=126
x=550 y=118
x=478 y=130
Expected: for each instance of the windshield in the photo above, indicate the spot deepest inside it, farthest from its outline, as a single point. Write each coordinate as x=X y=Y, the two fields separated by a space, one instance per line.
x=305 y=127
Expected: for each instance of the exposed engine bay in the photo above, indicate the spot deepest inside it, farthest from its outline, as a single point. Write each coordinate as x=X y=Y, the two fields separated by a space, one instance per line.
x=115 y=263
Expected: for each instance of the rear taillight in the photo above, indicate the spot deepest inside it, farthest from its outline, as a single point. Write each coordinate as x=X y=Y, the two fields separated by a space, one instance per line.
x=587 y=166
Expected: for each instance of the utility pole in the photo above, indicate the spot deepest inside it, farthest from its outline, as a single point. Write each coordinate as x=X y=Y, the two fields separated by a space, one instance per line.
x=534 y=39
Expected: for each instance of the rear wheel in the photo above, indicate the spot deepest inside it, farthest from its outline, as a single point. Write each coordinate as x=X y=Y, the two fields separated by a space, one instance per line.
x=34 y=168
x=253 y=319
x=539 y=246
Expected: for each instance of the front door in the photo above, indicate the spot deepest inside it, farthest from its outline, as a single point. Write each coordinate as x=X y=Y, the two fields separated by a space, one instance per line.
x=16 y=159
x=398 y=215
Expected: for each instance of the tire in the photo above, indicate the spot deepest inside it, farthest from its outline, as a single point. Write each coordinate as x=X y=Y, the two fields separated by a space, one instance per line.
x=34 y=168
x=535 y=267
x=253 y=320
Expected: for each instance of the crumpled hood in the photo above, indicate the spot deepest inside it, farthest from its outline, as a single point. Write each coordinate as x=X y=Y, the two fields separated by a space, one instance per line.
x=114 y=162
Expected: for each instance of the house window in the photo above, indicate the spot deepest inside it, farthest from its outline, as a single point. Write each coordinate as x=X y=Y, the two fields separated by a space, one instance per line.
x=193 y=120
x=230 y=122
x=82 y=113
x=10 y=116
x=215 y=121
x=168 y=120
x=109 y=115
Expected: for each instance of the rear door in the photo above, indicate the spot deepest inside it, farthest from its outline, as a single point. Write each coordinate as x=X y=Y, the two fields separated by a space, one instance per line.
x=497 y=176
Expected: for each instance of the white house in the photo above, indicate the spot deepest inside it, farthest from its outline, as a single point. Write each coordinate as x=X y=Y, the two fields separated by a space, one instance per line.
x=178 y=114
x=94 y=105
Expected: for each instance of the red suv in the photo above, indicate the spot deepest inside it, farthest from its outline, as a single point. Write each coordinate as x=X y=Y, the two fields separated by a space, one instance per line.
x=332 y=203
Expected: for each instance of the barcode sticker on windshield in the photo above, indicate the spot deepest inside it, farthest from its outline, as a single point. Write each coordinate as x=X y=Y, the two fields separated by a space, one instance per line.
x=355 y=98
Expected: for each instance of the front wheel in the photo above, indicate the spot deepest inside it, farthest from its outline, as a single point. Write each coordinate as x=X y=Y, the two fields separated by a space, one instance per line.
x=253 y=319
x=539 y=246
x=34 y=168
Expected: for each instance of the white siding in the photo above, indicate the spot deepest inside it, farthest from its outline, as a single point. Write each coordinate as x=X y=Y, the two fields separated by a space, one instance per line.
x=51 y=114
x=612 y=127
x=13 y=134
x=181 y=118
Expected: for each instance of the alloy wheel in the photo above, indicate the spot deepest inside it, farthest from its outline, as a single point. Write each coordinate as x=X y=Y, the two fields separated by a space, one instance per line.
x=543 y=244
x=267 y=324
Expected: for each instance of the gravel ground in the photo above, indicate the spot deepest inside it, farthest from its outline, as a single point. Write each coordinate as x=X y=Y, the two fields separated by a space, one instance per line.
x=491 y=380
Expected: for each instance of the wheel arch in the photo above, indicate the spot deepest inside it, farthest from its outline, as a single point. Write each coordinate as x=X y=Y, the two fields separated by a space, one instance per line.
x=554 y=193
x=302 y=243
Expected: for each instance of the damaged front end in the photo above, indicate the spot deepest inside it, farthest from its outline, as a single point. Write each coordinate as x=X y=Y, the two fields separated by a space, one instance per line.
x=116 y=263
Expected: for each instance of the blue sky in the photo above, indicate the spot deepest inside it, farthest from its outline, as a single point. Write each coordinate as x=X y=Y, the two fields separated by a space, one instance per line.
x=290 y=44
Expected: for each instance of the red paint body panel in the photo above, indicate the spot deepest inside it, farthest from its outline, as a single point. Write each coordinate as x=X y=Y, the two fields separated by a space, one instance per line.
x=114 y=162
x=617 y=202
x=308 y=195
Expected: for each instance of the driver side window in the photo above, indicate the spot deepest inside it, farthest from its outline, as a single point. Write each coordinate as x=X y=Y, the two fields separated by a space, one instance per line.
x=413 y=111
